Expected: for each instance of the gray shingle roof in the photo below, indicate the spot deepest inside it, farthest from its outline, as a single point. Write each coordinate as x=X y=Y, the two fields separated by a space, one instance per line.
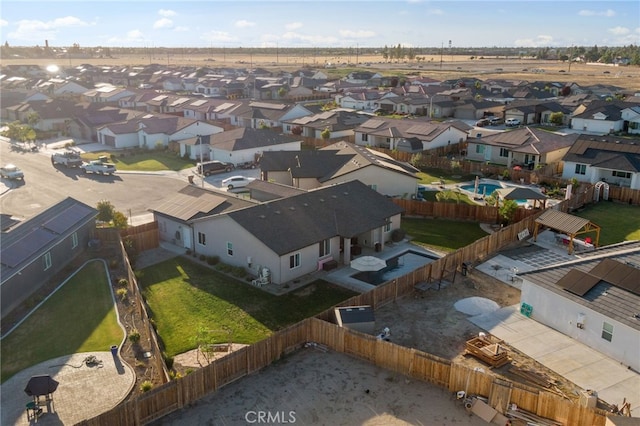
x=289 y=224
x=613 y=301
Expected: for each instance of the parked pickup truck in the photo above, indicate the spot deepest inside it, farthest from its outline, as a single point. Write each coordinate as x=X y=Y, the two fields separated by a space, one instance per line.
x=98 y=167
x=67 y=158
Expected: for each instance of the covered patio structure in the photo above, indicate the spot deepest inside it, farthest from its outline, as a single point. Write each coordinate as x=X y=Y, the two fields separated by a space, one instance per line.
x=570 y=226
x=518 y=193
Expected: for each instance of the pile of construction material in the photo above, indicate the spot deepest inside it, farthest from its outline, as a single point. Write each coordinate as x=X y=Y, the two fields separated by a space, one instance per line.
x=488 y=349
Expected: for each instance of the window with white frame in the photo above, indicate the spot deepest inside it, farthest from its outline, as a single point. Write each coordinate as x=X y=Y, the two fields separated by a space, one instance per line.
x=325 y=248
x=47 y=260
x=607 y=331
x=581 y=169
x=230 y=249
x=387 y=226
x=479 y=149
x=504 y=152
x=74 y=240
x=625 y=175
x=365 y=137
x=294 y=261
x=202 y=238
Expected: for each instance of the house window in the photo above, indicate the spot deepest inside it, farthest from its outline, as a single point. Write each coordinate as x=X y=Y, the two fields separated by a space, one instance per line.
x=373 y=186
x=581 y=169
x=479 y=149
x=387 y=226
x=202 y=239
x=74 y=240
x=288 y=128
x=607 y=331
x=625 y=175
x=504 y=152
x=325 y=247
x=365 y=137
x=230 y=249
x=47 y=260
x=294 y=261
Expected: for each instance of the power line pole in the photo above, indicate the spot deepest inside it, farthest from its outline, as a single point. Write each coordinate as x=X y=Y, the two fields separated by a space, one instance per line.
x=441 y=50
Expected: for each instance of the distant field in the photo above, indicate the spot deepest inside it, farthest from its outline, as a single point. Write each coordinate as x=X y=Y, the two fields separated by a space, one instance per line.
x=452 y=66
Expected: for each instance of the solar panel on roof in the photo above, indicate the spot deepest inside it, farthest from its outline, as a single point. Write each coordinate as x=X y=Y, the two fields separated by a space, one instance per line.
x=199 y=102
x=26 y=247
x=67 y=218
x=578 y=282
x=179 y=101
x=618 y=274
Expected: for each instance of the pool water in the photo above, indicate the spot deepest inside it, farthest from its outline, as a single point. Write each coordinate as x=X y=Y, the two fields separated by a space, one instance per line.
x=396 y=267
x=483 y=188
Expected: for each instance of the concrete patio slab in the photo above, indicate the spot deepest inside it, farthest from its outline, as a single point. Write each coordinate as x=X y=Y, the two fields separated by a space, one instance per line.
x=584 y=366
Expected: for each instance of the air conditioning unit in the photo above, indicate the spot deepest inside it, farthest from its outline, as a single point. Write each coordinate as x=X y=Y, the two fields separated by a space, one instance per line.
x=580 y=325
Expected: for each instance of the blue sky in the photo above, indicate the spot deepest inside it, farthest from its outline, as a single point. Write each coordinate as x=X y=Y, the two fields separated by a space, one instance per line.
x=308 y=23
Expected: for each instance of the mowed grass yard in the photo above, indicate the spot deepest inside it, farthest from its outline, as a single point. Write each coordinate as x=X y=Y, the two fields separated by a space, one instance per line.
x=441 y=234
x=185 y=297
x=149 y=161
x=618 y=222
x=79 y=317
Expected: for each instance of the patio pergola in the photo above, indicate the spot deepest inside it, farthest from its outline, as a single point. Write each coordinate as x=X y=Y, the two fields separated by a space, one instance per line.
x=566 y=224
x=518 y=193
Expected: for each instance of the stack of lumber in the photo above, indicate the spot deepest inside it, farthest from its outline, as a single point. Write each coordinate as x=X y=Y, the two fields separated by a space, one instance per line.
x=530 y=419
x=488 y=349
x=535 y=377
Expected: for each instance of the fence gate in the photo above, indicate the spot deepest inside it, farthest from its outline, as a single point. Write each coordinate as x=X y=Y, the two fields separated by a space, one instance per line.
x=500 y=394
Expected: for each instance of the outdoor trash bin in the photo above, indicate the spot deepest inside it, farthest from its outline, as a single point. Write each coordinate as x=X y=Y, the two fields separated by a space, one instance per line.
x=465 y=269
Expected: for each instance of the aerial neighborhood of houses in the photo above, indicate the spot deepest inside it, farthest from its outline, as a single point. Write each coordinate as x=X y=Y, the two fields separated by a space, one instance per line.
x=334 y=159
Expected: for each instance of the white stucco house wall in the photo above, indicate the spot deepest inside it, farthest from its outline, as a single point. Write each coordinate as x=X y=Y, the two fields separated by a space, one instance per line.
x=593 y=301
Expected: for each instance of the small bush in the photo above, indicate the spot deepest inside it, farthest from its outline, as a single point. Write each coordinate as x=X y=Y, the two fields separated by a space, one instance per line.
x=134 y=336
x=188 y=371
x=168 y=360
x=213 y=260
x=398 y=235
x=122 y=294
x=223 y=267
x=203 y=257
x=146 y=386
x=123 y=282
x=239 y=271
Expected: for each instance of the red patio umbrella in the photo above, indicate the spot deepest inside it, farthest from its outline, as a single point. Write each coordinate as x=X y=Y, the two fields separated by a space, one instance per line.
x=517 y=168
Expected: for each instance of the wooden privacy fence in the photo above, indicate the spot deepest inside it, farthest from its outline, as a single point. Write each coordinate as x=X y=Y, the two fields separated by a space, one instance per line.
x=457 y=211
x=142 y=237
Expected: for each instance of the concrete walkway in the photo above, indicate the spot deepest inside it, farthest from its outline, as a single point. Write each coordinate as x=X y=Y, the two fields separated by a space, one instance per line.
x=584 y=366
x=85 y=390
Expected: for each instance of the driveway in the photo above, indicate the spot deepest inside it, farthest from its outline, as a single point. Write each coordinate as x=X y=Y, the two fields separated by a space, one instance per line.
x=584 y=366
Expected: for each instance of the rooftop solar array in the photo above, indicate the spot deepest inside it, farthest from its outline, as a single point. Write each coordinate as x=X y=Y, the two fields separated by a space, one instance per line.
x=578 y=282
x=67 y=218
x=24 y=248
x=618 y=274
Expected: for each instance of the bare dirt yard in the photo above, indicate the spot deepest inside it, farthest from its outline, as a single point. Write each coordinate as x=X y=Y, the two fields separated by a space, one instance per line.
x=312 y=386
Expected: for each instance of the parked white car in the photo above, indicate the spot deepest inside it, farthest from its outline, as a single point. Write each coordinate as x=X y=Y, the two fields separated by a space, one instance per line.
x=237 y=182
x=11 y=172
x=512 y=122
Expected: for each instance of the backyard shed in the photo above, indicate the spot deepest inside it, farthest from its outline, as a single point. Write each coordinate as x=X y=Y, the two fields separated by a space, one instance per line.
x=359 y=318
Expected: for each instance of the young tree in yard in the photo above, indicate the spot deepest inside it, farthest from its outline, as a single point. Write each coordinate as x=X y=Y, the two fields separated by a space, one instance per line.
x=105 y=211
x=508 y=210
x=556 y=118
x=326 y=134
x=120 y=220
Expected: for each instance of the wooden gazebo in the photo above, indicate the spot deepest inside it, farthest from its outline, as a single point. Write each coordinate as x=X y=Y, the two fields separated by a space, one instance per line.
x=566 y=224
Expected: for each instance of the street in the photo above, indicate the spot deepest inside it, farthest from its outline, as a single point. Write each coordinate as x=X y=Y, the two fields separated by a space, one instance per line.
x=44 y=185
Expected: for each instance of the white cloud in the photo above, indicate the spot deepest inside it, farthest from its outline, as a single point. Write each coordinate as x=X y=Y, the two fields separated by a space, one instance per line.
x=244 y=24
x=166 y=13
x=587 y=12
x=3 y=23
x=356 y=34
x=44 y=30
x=163 y=23
x=293 y=26
x=619 y=31
x=130 y=38
x=435 y=12
x=539 y=41
x=181 y=29
x=218 y=36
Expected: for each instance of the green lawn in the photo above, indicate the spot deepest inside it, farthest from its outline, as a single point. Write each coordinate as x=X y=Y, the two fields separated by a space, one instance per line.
x=185 y=297
x=149 y=161
x=427 y=176
x=444 y=235
x=80 y=317
x=618 y=222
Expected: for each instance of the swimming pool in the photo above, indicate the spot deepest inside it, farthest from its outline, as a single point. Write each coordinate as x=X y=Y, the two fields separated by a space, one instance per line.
x=483 y=188
x=396 y=267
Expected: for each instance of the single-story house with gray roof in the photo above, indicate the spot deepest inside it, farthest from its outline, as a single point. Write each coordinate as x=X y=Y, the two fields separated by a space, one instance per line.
x=40 y=247
x=594 y=300
x=291 y=236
